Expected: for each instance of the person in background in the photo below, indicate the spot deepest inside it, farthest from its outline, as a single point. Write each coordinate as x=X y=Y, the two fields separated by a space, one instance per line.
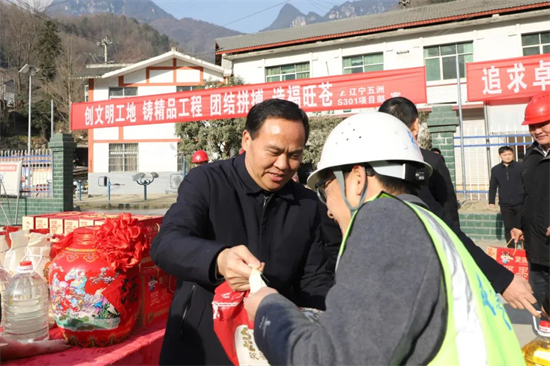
x=235 y=214
x=436 y=150
x=200 y=157
x=535 y=218
x=406 y=291
x=506 y=176
x=440 y=183
x=515 y=289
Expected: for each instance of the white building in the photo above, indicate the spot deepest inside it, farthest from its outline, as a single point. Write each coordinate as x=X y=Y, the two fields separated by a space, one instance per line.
x=120 y=152
x=432 y=36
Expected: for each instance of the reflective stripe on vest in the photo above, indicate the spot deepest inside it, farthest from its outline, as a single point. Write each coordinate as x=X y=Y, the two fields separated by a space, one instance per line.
x=470 y=342
x=478 y=330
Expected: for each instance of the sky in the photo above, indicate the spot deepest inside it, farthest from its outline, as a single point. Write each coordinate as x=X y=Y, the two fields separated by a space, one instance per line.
x=257 y=14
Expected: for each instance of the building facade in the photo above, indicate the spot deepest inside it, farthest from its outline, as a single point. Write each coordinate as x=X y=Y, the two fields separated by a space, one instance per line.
x=121 y=152
x=438 y=37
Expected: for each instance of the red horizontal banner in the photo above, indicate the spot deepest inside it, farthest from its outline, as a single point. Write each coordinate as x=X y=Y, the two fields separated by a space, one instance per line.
x=313 y=95
x=509 y=78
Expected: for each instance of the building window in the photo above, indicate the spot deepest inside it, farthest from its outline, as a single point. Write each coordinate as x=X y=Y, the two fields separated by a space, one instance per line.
x=287 y=72
x=183 y=88
x=363 y=63
x=123 y=157
x=440 y=61
x=115 y=93
x=536 y=43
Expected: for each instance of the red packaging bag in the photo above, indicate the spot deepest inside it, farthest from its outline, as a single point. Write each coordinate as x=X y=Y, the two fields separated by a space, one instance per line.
x=235 y=332
x=515 y=260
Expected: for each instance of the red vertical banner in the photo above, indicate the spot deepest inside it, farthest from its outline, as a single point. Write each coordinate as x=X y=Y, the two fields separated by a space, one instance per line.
x=312 y=95
x=509 y=78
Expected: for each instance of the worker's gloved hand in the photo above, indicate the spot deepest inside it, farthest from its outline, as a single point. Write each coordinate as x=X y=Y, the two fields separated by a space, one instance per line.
x=520 y=295
x=235 y=265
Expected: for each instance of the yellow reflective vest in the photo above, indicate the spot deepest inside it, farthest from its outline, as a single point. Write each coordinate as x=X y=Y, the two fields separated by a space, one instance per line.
x=478 y=330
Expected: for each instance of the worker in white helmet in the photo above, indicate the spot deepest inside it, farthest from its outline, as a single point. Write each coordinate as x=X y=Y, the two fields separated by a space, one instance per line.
x=406 y=291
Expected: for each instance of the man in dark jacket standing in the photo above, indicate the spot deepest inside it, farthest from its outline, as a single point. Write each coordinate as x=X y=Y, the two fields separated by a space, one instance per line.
x=514 y=289
x=507 y=177
x=535 y=218
x=240 y=213
x=440 y=183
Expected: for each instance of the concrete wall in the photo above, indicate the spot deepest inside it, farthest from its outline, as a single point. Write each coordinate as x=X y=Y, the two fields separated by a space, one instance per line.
x=62 y=146
x=483 y=226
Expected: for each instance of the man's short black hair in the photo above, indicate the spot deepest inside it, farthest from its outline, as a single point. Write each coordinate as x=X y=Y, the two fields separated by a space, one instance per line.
x=274 y=108
x=503 y=149
x=401 y=108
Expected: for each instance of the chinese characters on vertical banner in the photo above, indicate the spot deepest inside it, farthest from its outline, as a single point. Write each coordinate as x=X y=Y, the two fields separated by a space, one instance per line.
x=509 y=78
x=313 y=95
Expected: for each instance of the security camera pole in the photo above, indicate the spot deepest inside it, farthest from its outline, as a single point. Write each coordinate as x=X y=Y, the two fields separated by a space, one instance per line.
x=139 y=178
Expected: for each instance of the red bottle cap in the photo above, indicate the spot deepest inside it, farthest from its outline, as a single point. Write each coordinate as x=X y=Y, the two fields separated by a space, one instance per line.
x=25 y=263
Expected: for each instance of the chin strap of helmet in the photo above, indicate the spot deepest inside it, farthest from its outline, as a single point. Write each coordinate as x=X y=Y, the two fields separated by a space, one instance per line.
x=339 y=174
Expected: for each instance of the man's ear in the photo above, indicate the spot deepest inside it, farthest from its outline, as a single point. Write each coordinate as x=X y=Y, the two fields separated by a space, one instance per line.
x=359 y=178
x=245 y=141
x=415 y=128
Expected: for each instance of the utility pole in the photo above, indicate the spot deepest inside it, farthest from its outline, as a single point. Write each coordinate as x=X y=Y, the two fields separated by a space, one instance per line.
x=105 y=42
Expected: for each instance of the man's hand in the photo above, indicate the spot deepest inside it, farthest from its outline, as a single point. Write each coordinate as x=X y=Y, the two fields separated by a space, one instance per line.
x=10 y=350
x=252 y=302
x=548 y=231
x=520 y=295
x=235 y=264
x=492 y=206
x=516 y=234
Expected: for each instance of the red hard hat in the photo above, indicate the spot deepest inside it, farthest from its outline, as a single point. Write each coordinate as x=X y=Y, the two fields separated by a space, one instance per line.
x=538 y=110
x=199 y=156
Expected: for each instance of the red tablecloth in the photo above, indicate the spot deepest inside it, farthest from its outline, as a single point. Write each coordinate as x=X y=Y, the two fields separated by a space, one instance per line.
x=142 y=348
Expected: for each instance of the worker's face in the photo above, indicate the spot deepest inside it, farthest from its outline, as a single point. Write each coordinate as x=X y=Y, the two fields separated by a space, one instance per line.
x=507 y=157
x=541 y=133
x=275 y=154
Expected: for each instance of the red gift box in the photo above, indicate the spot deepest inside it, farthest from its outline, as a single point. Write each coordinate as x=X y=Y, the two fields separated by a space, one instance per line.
x=515 y=260
x=157 y=291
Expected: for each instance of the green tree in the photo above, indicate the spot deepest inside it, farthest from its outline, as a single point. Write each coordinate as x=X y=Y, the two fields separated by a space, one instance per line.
x=220 y=138
x=49 y=46
x=320 y=127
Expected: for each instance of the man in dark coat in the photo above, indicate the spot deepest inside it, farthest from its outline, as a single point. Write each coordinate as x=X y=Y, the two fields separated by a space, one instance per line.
x=515 y=290
x=506 y=176
x=240 y=213
x=440 y=183
x=535 y=218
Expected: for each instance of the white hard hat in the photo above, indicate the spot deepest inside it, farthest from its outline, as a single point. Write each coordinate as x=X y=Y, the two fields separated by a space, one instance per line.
x=376 y=138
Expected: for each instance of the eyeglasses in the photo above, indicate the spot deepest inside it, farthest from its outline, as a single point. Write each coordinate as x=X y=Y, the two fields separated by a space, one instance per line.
x=320 y=188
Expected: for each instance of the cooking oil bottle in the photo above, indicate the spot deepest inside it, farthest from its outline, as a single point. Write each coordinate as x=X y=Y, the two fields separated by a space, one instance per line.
x=537 y=352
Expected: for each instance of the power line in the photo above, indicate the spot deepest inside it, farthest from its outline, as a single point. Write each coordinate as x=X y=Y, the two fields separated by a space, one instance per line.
x=238 y=20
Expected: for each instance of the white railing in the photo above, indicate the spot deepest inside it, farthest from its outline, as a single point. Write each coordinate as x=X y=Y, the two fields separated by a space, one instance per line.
x=36 y=172
x=481 y=154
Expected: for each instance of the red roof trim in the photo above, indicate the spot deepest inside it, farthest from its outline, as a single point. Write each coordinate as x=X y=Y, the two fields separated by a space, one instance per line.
x=389 y=27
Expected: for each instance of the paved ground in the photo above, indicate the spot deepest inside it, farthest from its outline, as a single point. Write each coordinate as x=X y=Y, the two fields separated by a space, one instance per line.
x=125 y=202
x=158 y=204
